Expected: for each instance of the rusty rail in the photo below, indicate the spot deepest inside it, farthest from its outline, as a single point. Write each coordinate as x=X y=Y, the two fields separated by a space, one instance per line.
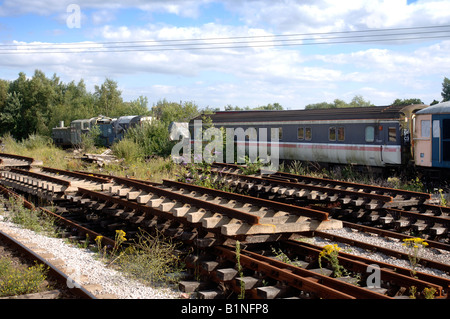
x=401 y=276
x=63 y=278
x=285 y=274
x=79 y=175
x=292 y=209
x=41 y=176
x=249 y=218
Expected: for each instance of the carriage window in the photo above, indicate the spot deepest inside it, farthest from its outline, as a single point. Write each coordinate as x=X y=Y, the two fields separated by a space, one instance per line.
x=370 y=134
x=341 y=133
x=280 y=133
x=446 y=129
x=392 y=132
x=308 y=134
x=332 y=134
x=425 y=128
x=300 y=133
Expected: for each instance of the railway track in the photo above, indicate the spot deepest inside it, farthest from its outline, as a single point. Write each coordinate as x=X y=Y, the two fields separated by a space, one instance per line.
x=213 y=221
x=387 y=208
x=66 y=287
x=224 y=214
x=267 y=277
x=12 y=160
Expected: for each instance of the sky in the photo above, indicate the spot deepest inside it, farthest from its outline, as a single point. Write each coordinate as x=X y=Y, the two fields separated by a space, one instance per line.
x=239 y=53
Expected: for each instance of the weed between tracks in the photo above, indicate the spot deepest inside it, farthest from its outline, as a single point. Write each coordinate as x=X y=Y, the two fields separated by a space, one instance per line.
x=151 y=259
x=30 y=219
x=18 y=280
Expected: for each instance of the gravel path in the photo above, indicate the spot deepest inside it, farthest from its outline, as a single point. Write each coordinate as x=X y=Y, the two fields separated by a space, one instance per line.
x=91 y=271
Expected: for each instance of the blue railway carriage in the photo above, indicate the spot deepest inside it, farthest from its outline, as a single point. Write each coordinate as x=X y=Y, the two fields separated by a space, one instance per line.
x=372 y=136
x=432 y=136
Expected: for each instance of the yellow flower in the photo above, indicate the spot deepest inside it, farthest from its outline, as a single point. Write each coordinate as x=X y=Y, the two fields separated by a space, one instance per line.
x=120 y=234
x=414 y=242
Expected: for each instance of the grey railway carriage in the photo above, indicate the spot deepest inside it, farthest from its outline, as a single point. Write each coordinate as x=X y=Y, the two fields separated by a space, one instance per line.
x=370 y=136
x=111 y=129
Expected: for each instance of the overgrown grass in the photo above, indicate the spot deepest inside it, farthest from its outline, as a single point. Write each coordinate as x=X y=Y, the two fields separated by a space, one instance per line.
x=350 y=174
x=21 y=280
x=38 y=147
x=151 y=259
x=33 y=220
x=153 y=169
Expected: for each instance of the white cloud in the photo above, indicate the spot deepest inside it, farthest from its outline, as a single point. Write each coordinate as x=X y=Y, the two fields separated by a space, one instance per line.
x=254 y=75
x=186 y=8
x=330 y=15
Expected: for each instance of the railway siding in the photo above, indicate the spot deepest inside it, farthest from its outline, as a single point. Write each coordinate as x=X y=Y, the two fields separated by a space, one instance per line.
x=213 y=220
x=12 y=160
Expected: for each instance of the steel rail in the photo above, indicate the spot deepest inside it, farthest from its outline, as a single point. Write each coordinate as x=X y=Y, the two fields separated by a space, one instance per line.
x=40 y=176
x=85 y=176
x=380 y=189
x=63 y=278
x=396 y=274
x=294 y=280
x=249 y=218
x=349 y=288
x=392 y=234
x=74 y=226
x=19 y=157
x=292 y=209
x=127 y=204
x=386 y=251
x=431 y=218
x=8 y=193
x=105 y=240
x=296 y=185
x=385 y=190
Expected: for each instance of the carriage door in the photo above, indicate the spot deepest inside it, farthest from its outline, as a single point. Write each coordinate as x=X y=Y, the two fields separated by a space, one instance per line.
x=441 y=141
x=389 y=151
x=436 y=149
x=446 y=141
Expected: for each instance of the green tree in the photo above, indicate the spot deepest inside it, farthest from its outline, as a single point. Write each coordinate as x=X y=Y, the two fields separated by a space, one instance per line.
x=321 y=105
x=230 y=107
x=407 y=101
x=434 y=102
x=10 y=117
x=270 y=107
x=137 y=107
x=445 y=90
x=109 y=98
x=168 y=112
x=357 y=101
x=4 y=87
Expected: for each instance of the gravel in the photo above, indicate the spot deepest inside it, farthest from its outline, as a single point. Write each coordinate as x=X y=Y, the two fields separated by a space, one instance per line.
x=437 y=255
x=94 y=272
x=87 y=269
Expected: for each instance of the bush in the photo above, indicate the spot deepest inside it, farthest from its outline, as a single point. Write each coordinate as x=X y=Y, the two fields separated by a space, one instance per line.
x=151 y=259
x=91 y=139
x=153 y=138
x=29 y=219
x=15 y=281
x=127 y=149
x=36 y=146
